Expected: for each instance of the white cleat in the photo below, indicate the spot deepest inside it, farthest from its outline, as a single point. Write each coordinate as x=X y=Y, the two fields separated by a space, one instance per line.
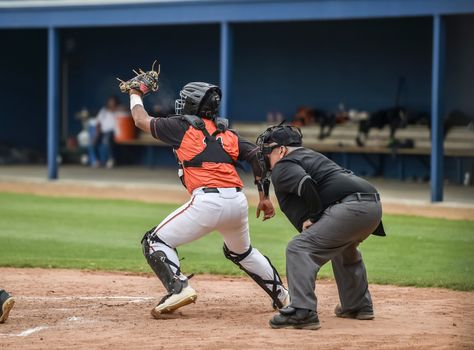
x=174 y=301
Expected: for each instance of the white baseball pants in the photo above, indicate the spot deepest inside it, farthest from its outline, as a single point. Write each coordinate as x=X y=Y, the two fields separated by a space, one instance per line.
x=225 y=212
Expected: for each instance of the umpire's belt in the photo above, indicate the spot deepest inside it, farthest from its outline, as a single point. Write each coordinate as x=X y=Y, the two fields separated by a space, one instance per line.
x=216 y=190
x=360 y=197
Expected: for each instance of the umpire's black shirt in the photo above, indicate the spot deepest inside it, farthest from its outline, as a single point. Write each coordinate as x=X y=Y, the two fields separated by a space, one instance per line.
x=332 y=183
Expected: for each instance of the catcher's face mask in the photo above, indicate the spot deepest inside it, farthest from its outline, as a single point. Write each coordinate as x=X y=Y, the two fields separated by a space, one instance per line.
x=274 y=137
x=180 y=103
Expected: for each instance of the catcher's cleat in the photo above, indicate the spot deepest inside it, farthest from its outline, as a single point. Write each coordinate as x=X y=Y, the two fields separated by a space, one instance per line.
x=366 y=313
x=171 y=302
x=290 y=317
x=6 y=302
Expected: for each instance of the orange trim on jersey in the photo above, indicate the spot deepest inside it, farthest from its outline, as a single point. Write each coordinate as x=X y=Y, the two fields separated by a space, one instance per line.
x=210 y=174
x=174 y=216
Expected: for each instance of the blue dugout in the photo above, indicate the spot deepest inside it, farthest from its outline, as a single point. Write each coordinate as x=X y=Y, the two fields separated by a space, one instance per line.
x=265 y=54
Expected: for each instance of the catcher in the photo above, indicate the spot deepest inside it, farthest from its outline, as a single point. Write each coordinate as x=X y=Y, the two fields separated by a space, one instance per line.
x=206 y=151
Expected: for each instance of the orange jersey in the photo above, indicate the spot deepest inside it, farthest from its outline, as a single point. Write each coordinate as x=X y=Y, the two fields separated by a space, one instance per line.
x=210 y=174
x=188 y=142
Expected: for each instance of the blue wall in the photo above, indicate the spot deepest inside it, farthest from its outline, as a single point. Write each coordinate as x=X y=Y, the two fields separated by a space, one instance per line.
x=460 y=64
x=23 y=98
x=280 y=66
x=97 y=56
x=277 y=67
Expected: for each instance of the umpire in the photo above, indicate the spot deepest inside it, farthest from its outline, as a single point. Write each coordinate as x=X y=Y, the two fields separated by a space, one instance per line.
x=334 y=211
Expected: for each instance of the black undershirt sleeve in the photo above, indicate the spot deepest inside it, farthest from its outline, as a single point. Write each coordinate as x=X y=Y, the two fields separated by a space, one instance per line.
x=248 y=152
x=170 y=130
x=308 y=191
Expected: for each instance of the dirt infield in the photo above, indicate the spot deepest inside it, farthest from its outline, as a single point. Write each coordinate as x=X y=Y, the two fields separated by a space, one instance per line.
x=68 y=309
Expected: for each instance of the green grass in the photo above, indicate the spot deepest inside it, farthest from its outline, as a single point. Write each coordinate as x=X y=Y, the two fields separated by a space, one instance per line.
x=40 y=231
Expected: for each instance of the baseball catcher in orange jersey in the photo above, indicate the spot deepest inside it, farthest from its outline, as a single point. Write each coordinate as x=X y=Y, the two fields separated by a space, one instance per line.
x=206 y=151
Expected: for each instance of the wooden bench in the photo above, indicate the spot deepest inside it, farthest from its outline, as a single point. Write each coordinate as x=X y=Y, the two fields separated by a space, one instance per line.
x=459 y=144
x=149 y=143
x=459 y=141
x=143 y=139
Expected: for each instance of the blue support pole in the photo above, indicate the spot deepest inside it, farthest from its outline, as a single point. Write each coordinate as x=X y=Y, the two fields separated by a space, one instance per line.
x=437 y=83
x=225 y=66
x=53 y=102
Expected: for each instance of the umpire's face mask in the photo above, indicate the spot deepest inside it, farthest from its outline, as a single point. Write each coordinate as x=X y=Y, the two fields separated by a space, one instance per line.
x=278 y=136
x=264 y=150
x=265 y=159
x=264 y=163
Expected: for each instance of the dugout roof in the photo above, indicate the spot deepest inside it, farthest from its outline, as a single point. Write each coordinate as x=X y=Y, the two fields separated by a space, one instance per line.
x=75 y=13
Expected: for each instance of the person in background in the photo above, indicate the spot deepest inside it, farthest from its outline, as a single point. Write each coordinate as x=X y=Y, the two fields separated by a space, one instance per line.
x=104 y=135
x=6 y=304
x=91 y=130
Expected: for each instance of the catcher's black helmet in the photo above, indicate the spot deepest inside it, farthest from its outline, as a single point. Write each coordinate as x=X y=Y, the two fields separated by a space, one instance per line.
x=201 y=99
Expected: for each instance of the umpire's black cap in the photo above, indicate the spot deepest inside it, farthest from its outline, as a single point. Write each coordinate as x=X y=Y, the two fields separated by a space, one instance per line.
x=283 y=135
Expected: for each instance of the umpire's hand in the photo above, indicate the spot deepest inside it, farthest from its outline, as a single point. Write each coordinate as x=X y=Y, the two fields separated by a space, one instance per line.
x=307 y=224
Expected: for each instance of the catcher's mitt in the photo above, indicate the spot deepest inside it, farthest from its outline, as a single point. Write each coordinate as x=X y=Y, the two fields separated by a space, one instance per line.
x=145 y=82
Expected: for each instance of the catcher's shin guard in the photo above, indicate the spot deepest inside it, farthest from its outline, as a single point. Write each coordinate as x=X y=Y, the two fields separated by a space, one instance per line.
x=276 y=283
x=169 y=273
x=173 y=281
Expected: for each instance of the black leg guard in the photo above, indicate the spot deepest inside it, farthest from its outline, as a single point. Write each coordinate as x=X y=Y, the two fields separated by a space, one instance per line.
x=161 y=265
x=274 y=292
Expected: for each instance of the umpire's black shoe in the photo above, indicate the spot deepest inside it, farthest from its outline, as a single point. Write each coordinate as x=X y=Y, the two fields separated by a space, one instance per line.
x=290 y=317
x=366 y=313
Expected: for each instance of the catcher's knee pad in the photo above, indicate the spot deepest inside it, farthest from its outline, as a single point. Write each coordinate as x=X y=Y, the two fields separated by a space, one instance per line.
x=174 y=282
x=275 y=284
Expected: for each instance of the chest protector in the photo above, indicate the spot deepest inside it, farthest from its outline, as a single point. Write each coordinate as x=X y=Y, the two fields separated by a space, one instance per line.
x=203 y=159
x=213 y=150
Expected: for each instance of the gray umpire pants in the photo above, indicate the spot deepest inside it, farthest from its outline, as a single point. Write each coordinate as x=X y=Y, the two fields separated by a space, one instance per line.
x=335 y=236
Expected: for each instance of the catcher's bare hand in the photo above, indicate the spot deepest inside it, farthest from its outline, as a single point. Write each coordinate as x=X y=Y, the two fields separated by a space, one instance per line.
x=135 y=92
x=143 y=82
x=266 y=206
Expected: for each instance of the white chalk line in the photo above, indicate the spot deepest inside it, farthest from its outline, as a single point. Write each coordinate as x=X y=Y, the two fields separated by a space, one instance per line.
x=74 y=319
x=33 y=330
x=126 y=299
x=133 y=299
x=25 y=333
x=30 y=331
